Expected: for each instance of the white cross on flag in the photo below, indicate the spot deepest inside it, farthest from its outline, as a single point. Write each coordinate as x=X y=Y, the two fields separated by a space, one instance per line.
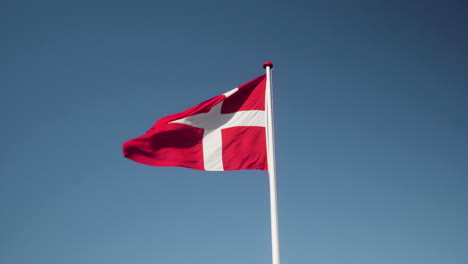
x=226 y=132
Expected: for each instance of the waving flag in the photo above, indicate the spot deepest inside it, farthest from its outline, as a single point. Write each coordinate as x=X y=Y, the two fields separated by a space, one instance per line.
x=226 y=132
x=232 y=131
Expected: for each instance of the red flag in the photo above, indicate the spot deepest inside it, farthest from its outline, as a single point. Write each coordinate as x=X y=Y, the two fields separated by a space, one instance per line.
x=226 y=132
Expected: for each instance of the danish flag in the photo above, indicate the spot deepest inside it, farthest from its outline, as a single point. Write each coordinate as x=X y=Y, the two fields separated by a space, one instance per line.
x=226 y=132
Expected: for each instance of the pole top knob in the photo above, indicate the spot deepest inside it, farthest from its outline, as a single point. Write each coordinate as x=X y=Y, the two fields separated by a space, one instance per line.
x=268 y=64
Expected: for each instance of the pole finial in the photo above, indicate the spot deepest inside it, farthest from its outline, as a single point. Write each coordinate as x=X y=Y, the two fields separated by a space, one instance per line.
x=268 y=63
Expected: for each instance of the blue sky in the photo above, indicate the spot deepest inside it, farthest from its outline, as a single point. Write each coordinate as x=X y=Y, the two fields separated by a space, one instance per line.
x=371 y=131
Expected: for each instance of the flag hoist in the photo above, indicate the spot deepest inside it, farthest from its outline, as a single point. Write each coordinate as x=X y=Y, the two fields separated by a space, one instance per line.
x=231 y=131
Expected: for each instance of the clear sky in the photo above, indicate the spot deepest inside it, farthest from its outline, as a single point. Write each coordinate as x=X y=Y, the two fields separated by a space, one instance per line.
x=371 y=111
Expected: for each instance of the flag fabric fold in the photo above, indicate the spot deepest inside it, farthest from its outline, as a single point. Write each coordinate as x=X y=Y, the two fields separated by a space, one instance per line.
x=226 y=132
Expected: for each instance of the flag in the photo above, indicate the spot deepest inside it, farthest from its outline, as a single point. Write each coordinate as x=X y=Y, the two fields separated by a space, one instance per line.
x=226 y=132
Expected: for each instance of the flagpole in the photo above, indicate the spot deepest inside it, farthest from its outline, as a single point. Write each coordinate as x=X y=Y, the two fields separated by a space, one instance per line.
x=271 y=166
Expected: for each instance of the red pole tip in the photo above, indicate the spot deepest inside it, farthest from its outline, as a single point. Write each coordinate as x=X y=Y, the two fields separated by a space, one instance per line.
x=268 y=63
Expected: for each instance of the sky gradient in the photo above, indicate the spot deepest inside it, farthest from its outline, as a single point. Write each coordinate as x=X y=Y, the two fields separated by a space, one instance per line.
x=371 y=120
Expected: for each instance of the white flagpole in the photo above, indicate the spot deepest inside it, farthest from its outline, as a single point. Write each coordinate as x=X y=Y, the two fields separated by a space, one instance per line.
x=271 y=165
